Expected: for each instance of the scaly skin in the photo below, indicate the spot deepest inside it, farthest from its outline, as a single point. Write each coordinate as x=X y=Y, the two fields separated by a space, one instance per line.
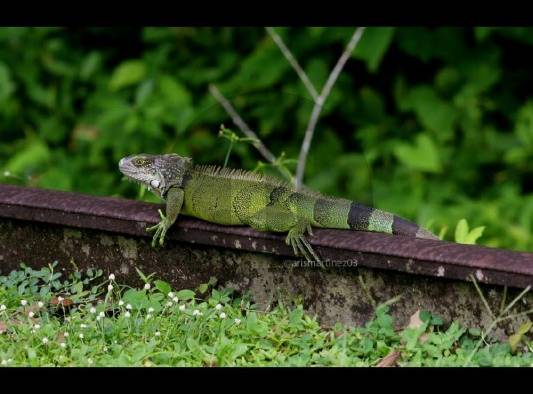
x=237 y=197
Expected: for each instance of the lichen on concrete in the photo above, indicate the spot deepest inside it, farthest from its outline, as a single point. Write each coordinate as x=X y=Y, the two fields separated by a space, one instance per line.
x=128 y=247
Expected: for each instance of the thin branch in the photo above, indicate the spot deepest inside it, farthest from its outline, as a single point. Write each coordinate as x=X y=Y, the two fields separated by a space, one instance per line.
x=241 y=124
x=367 y=291
x=319 y=103
x=293 y=62
x=483 y=299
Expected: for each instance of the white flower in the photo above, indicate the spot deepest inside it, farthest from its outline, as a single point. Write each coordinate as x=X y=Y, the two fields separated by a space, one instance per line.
x=222 y=315
x=31 y=314
x=3 y=307
x=176 y=300
x=92 y=310
x=150 y=310
x=169 y=303
x=89 y=361
x=65 y=334
x=170 y=294
x=147 y=286
x=148 y=316
x=120 y=303
x=7 y=173
x=101 y=314
x=237 y=321
x=127 y=314
x=63 y=344
x=23 y=302
x=83 y=325
x=157 y=333
x=105 y=349
x=37 y=326
x=111 y=276
x=218 y=307
x=128 y=306
x=81 y=336
x=181 y=307
x=196 y=312
x=110 y=287
x=60 y=299
x=4 y=362
x=40 y=304
x=98 y=318
x=45 y=340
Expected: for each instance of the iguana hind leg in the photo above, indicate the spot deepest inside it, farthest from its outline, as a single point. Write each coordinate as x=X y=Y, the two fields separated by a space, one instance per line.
x=300 y=245
x=277 y=219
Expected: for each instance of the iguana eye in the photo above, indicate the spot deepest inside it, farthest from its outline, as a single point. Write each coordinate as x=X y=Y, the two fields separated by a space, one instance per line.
x=141 y=162
x=154 y=183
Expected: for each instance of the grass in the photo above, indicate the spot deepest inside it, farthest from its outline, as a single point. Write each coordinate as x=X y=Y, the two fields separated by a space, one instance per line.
x=90 y=320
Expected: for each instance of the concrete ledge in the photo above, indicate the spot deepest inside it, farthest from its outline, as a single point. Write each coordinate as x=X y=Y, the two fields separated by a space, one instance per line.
x=41 y=226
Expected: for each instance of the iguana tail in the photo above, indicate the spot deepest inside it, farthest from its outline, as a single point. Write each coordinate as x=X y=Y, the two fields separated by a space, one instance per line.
x=345 y=214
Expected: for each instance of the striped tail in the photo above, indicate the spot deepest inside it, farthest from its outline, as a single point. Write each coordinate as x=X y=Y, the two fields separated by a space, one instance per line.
x=361 y=217
x=345 y=214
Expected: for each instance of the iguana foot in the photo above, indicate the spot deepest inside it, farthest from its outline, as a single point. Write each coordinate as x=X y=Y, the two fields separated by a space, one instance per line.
x=300 y=246
x=160 y=229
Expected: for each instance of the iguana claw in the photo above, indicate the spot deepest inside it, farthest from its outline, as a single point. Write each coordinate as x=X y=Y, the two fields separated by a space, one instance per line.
x=160 y=229
x=300 y=246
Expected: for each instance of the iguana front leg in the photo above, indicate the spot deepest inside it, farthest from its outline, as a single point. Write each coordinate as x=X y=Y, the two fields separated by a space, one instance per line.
x=173 y=207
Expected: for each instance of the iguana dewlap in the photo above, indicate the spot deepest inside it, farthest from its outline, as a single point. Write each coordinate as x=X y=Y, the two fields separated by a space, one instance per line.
x=237 y=197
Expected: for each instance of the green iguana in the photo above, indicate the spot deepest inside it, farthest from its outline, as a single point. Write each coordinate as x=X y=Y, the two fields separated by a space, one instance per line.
x=237 y=197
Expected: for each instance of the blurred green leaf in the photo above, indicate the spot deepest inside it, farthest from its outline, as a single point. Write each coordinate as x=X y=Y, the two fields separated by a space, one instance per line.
x=465 y=236
x=173 y=91
x=90 y=65
x=7 y=86
x=185 y=294
x=461 y=231
x=162 y=286
x=31 y=157
x=434 y=113
x=423 y=155
x=515 y=339
x=373 y=45
x=129 y=72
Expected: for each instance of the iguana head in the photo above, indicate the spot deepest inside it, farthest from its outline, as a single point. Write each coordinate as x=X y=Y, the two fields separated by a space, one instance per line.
x=157 y=172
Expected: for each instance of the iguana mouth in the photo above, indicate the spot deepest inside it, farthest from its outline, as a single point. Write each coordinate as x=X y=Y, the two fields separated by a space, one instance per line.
x=131 y=172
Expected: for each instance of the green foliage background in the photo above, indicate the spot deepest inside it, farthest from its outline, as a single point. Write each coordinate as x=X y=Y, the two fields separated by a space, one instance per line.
x=434 y=124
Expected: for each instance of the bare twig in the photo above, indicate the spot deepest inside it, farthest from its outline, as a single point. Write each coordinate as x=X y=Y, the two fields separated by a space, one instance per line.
x=483 y=299
x=241 y=124
x=319 y=103
x=367 y=292
x=293 y=62
x=504 y=298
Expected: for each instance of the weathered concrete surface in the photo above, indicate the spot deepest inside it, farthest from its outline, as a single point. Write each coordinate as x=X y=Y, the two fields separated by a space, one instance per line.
x=334 y=294
x=426 y=257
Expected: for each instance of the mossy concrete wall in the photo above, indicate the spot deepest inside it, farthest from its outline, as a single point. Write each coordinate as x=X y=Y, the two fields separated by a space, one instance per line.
x=348 y=294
